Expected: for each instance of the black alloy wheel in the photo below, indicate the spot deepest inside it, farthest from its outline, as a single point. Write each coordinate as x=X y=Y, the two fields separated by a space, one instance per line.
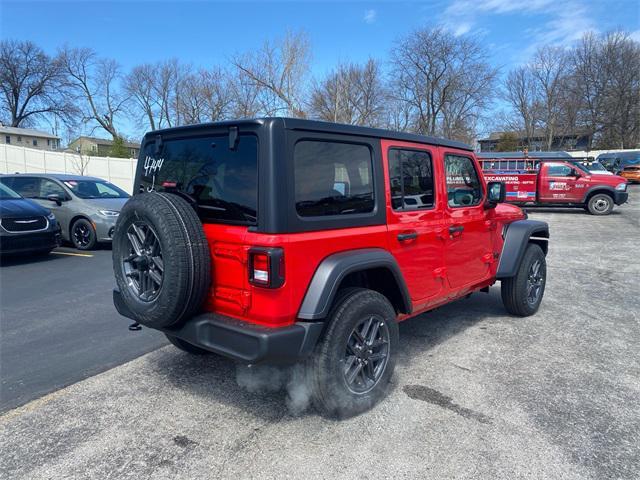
x=534 y=283
x=83 y=235
x=366 y=354
x=144 y=266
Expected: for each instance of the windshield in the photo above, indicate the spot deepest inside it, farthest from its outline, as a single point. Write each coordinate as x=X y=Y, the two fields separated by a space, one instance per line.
x=596 y=167
x=6 y=193
x=581 y=167
x=222 y=181
x=95 y=189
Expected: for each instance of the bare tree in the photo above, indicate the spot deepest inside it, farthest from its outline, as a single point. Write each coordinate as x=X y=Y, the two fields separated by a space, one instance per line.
x=96 y=83
x=80 y=162
x=278 y=71
x=140 y=84
x=352 y=94
x=434 y=72
x=206 y=96
x=550 y=71
x=520 y=90
x=606 y=81
x=31 y=85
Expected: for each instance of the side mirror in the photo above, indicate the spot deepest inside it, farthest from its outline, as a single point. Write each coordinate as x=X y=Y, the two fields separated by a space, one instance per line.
x=55 y=198
x=496 y=193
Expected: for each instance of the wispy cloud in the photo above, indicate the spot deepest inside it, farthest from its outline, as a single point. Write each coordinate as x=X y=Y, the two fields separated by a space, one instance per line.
x=562 y=22
x=370 y=16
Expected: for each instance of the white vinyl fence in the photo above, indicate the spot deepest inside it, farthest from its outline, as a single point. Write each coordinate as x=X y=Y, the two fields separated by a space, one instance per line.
x=120 y=171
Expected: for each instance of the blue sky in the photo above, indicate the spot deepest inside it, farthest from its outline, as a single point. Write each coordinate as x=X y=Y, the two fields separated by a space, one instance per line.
x=206 y=33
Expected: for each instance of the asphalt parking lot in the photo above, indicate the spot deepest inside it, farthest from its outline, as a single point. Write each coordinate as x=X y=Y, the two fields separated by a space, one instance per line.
x=58 y=324
x=478 y=394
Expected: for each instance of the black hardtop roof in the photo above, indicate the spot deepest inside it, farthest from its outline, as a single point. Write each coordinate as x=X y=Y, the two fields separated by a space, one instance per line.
x=323 y=127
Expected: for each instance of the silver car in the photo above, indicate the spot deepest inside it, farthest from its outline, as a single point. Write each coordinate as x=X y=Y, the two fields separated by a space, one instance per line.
x=86 y=207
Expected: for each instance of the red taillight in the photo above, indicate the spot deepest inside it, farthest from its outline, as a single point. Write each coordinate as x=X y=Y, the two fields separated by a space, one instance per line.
x=266 y=267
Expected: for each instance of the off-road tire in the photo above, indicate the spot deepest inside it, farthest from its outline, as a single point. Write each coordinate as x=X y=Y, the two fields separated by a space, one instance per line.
x=514 y=290
x=186 y=346
x=600 y=204
x=185 y=253
x=330 y=393
x=92 y=234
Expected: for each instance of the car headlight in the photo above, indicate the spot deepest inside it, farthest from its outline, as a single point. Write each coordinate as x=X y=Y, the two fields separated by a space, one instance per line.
x=51 y=217
x=108 y=213
x=621 y=187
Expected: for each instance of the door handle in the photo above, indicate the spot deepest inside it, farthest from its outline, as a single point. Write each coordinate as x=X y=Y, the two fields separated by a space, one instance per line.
x=456 y=230
x=404 y=237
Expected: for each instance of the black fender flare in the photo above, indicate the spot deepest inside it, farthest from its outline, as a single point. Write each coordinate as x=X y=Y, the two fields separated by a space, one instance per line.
x=333 y=269
x=599 y=189
x=518 y=236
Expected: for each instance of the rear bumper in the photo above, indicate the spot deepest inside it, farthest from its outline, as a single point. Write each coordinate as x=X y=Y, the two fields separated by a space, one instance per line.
x=243 y=341
x=620 y=197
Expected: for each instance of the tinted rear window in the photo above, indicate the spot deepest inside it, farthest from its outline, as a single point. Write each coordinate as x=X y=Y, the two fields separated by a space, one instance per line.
x=221 y=180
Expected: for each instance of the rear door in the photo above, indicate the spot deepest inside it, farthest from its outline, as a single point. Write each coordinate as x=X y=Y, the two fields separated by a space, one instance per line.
x=468 y=236
x=414 y=218
x=561 y=182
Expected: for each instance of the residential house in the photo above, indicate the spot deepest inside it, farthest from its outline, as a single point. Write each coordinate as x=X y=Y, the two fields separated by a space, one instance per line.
x=28 y=137
x=101 y=147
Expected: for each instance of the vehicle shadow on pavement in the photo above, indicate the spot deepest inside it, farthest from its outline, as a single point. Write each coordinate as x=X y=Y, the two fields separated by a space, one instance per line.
x=273 y=393
x=10 y=261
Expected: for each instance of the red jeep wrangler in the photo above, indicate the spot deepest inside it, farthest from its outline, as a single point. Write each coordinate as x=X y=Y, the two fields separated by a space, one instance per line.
x=281 y=240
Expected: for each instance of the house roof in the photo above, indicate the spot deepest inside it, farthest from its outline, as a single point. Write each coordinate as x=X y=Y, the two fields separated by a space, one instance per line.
x=105 y=142
x=27 y=132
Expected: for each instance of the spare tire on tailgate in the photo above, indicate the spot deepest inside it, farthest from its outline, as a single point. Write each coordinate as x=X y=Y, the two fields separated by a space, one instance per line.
x=161 y=259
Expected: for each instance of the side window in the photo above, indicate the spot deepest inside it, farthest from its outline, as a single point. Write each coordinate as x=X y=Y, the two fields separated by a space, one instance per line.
x=559 y=170
x=332 y=178
x=463 y=183
x=48 y=187
x=28 y=187
x=411 y=179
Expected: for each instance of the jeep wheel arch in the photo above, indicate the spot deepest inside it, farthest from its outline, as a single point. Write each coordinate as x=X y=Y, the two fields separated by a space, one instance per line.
x=519 y=234
x=331 y=272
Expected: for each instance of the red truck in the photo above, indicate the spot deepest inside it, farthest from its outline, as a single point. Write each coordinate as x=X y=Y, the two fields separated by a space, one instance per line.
x=547 y=179
x=281 y=240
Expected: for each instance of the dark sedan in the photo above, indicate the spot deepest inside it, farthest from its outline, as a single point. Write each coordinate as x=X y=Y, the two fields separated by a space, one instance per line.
x=25 y=226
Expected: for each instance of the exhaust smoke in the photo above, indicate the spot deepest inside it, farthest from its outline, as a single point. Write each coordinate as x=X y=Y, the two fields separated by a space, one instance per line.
x=272 y=379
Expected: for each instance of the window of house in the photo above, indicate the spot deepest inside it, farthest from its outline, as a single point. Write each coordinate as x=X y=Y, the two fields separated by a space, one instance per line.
x=35 y=142
x=19 y=139
x=332 y=178
x=463 y=183
x=7 y=139
x=411 y=179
